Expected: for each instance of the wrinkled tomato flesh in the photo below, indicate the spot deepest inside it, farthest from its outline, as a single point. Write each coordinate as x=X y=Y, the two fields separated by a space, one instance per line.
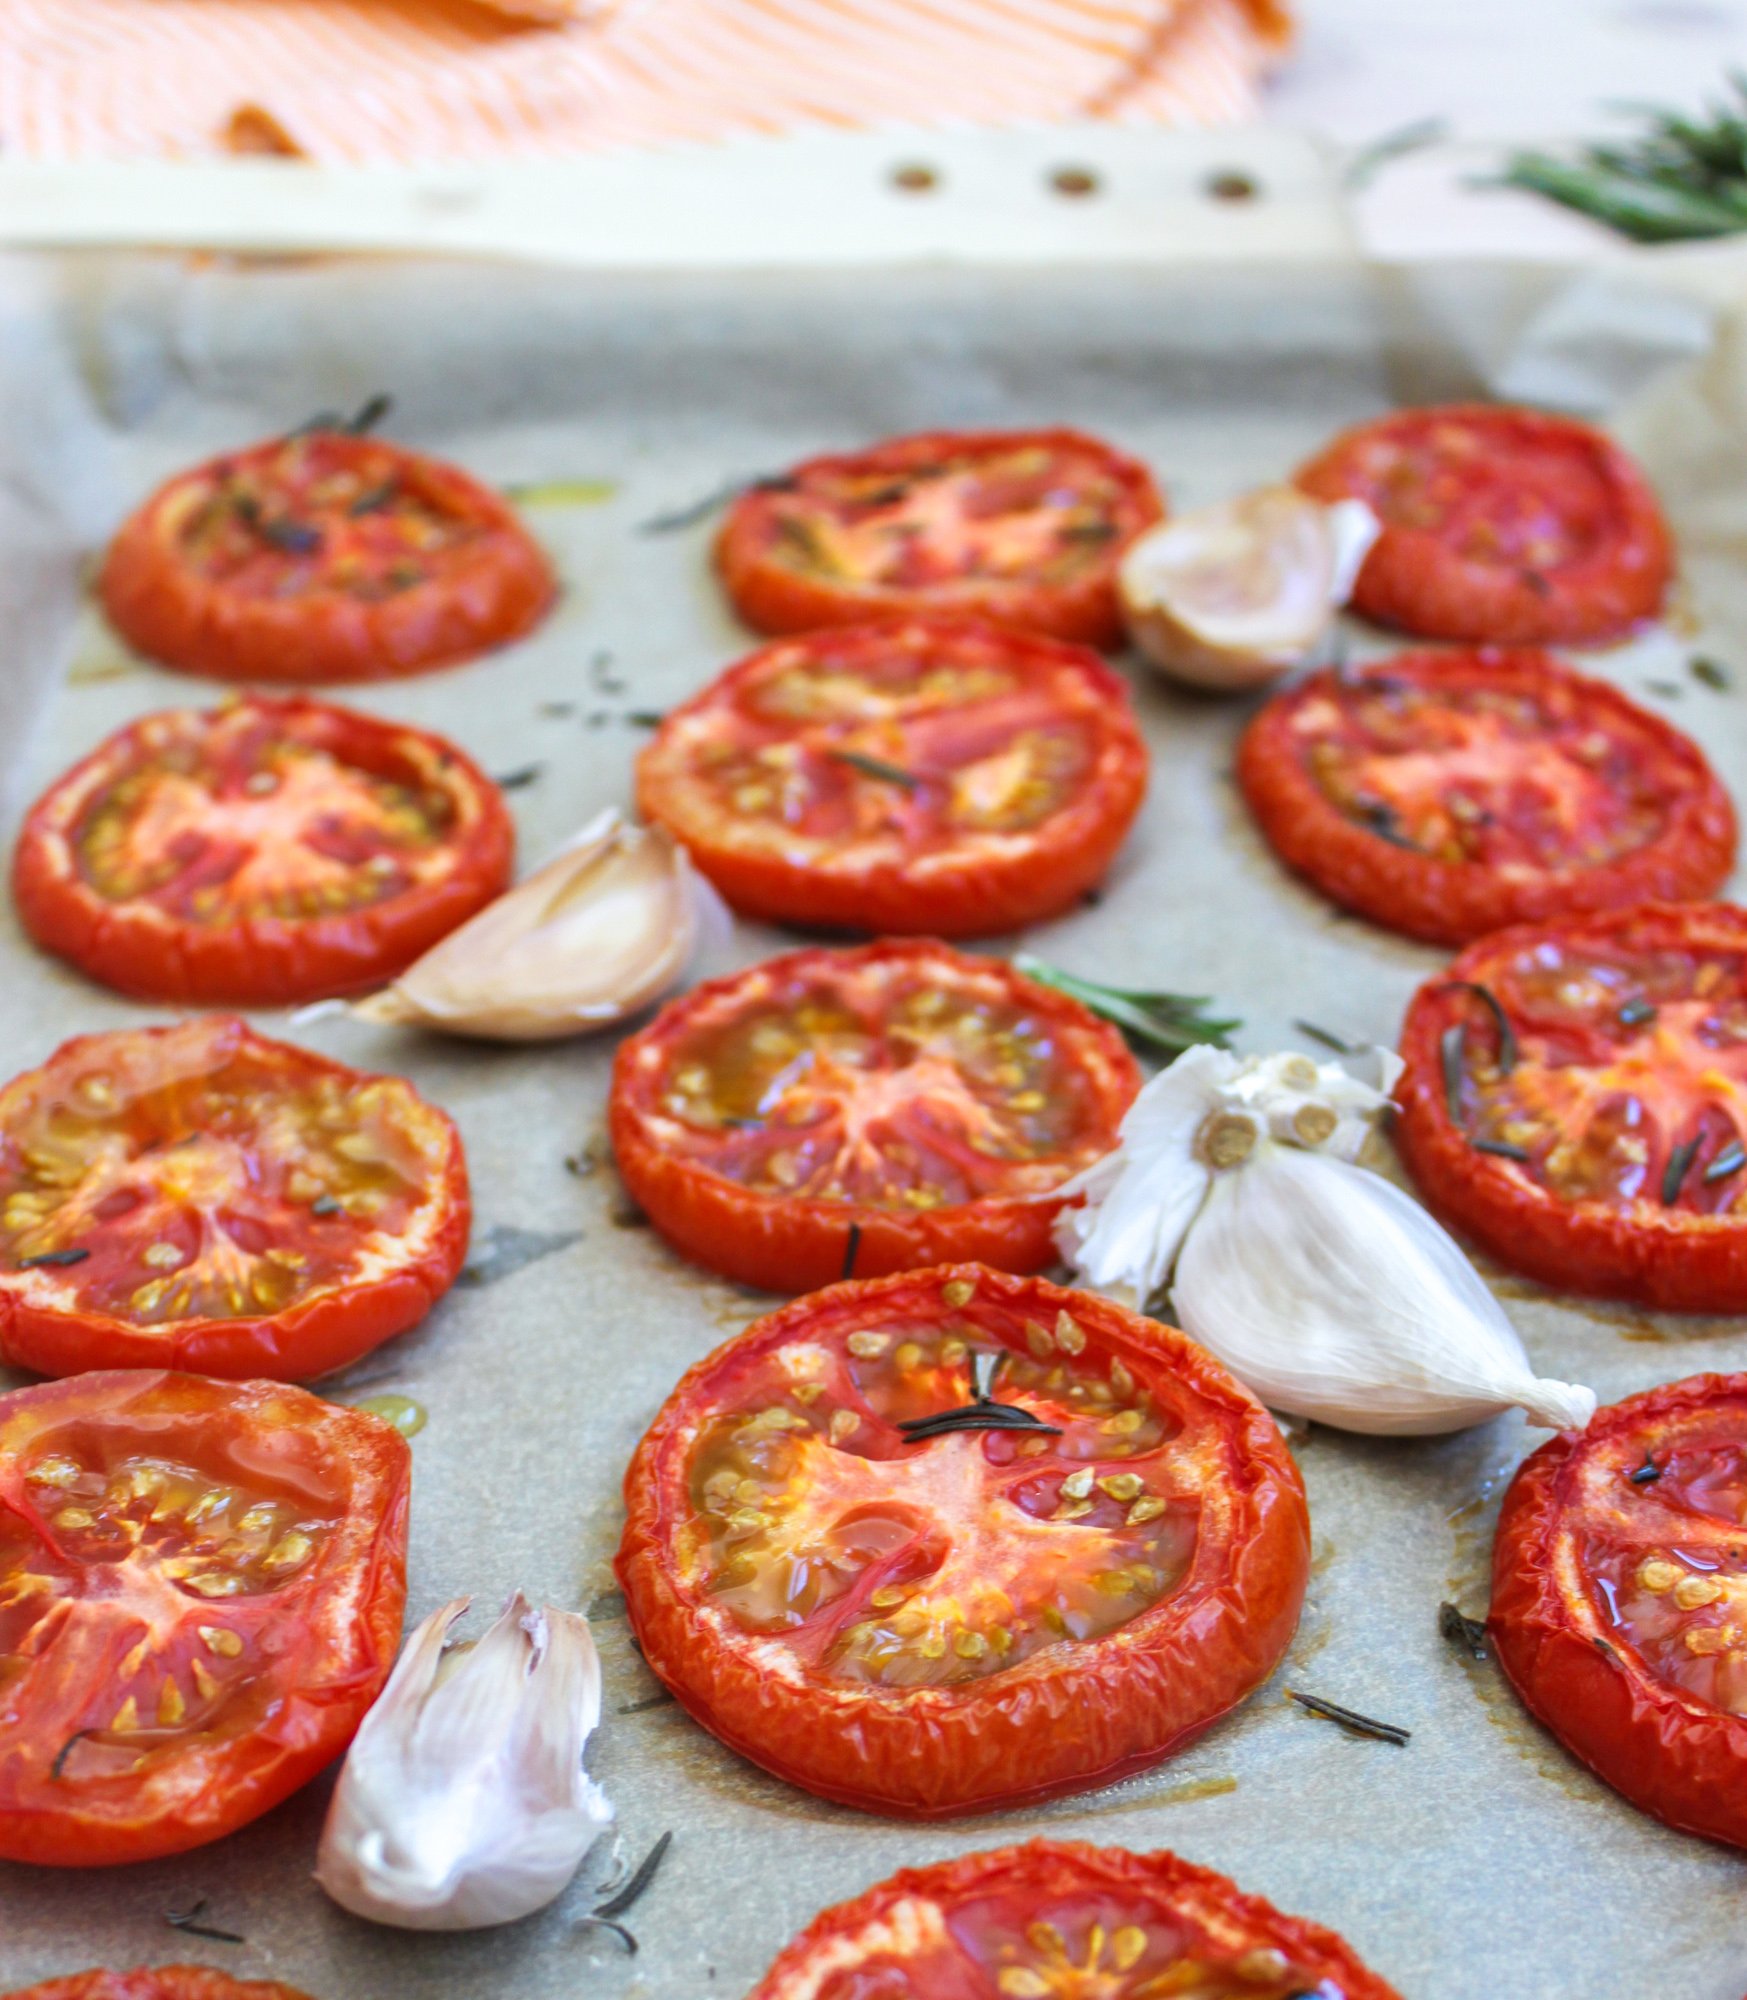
x=1064 y=1921
x=1490 y=775
x=1624 y=1060
x=224 y=1176
x=937 y=1564
x=907 y=1093
x=1033 y=512
x=252 y=816
x=320 y=512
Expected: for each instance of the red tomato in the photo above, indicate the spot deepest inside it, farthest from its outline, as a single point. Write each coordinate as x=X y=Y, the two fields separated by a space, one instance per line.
x=263 y=852
x=1061 y=1920
x=201 y=1587
x=158 y=1982
x=323 y=557
x=1447 y=794
x=1022 y=527
x=1598 y=1145
x=945 y=1624
x=927 y=1101
x=200 y=1197
x=1619 y=1599
x=922 y=775
x=1500 y=525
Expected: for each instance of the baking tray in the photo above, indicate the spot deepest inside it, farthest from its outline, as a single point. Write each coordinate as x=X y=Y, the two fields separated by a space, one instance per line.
x=1477 y=1860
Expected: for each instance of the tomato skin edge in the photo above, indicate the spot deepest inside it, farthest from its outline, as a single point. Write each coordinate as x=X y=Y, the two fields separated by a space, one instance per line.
x=1412 y=582
x=1452 y=903
x=307 y=1734
x=254 y=961
x=774 y=599
x=306 y=1340
x=942 y=1754
x=1094 y=1870
x=981 y=894
x=157 y=1982
x=1685 y=1264
x=177 y=619
x=790 y=1244
x=1685 y=1765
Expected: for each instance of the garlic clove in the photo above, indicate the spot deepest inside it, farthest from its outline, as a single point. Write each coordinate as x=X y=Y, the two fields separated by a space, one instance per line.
x=463 y=1802
x=1335 y=1296
x=1128 y=1212
x=1231 y=596
x=607 y=926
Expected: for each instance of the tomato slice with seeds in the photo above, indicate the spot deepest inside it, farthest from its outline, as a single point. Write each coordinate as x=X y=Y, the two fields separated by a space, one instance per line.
x=935 y=1621
x=1447 y=794
x=201 y=1588
x=1599 y=1143
x=923 y=775
x=1022 y=527
x=323 y=556
x=158 y=1982
x=263 y=852
x=1619 y=1599
x=927 y=1101
x=200 y=1197
x=1062 y=1920
x=1500 y=525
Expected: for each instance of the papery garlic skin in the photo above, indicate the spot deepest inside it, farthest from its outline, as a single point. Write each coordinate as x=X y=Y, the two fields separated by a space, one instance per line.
x=1321 y=1285
x=607 y=926
x=463 y=1801
x=1230 y=597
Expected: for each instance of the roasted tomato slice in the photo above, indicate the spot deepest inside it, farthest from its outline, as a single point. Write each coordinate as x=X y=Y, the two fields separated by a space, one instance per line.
x=1619 y=1599
x=158 y=1982
x=200 y=1197
x=323 y=557
x=1500 y=525
x=1573 y=1098
x=939 y=1622
x=201 y=1587
x=263 y=852
x=1023 y=527
x=1060 y=1920
x=1447 y=794
x=923 y=1100
x=919 y=775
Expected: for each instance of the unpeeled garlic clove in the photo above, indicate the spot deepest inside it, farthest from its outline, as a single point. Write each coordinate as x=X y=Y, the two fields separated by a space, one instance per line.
x=1231 y=596
x=463 y=1802
x=606 y=927
x=1321 y=1285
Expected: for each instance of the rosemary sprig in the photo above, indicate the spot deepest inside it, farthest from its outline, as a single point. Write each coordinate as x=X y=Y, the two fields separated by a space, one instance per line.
x=617 y=1905
x=66 y=1750
x=1507 y=1046
x=1467 y=1634
x=189 y=1920
x=1674 y=1174
x=1169 y=1021
x=1648 y=1473
x=877 y=767
x=982 y=1413
x=54 y=1260
x=1350 y=1719
x=1328 y=1038
x=1729 y=1161
x=1681 y=179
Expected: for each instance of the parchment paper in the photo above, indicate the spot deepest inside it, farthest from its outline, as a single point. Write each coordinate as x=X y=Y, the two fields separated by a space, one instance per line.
x=1478 y=1860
